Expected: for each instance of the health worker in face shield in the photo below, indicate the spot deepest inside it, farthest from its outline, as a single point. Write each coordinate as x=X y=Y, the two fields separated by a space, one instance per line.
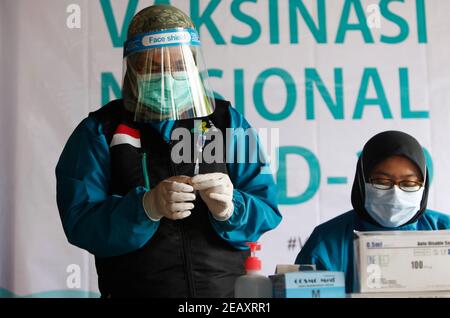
x=159 y=226
x=390 y=192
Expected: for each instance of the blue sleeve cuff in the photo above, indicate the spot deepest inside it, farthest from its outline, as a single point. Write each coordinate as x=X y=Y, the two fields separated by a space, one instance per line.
x=142 y=216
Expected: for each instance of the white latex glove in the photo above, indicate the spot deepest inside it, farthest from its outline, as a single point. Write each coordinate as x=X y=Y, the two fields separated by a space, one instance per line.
x=170 y=198
x=216 y=189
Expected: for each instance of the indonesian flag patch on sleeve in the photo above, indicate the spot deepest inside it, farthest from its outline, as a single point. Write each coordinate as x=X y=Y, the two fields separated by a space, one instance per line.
x=126 y=135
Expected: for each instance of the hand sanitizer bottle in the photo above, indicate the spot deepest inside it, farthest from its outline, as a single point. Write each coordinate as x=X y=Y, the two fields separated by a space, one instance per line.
x=253 y=284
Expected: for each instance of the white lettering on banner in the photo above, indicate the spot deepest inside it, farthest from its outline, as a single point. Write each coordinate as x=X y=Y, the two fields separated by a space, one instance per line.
x=167 y=38
x=74 y=19
x=73 y=281
x=374 y=17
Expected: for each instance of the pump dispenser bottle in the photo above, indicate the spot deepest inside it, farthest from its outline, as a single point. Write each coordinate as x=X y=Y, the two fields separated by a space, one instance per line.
x=253 y=284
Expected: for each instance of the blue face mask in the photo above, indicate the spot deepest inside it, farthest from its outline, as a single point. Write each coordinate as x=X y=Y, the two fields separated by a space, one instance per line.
x=394 y=207
x=165 y=94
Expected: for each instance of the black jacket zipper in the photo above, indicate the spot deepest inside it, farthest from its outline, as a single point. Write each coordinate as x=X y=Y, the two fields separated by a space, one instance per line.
x=185 y=243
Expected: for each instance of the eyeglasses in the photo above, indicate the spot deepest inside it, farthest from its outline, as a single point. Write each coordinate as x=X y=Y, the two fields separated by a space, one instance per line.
x=387 y=184
x=175 y=62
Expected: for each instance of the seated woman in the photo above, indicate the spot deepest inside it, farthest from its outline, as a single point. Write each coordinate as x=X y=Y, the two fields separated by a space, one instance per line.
x=390 y=192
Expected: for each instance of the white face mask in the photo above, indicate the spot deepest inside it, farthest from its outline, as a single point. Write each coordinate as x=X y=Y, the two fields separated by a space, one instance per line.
x=393 y=207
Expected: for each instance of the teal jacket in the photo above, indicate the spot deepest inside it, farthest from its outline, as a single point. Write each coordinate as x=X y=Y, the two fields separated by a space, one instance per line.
x=109 y=225
x=330 y=246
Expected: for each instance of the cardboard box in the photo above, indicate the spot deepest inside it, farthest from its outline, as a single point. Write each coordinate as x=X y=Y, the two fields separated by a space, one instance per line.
x=309 y=284
x=289 y=268
x=402 y=261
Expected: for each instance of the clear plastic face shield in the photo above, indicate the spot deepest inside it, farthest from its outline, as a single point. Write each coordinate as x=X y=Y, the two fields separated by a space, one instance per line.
x=165 y=78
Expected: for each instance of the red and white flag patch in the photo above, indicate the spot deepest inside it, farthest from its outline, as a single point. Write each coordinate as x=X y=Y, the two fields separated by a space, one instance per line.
x=126 y=135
